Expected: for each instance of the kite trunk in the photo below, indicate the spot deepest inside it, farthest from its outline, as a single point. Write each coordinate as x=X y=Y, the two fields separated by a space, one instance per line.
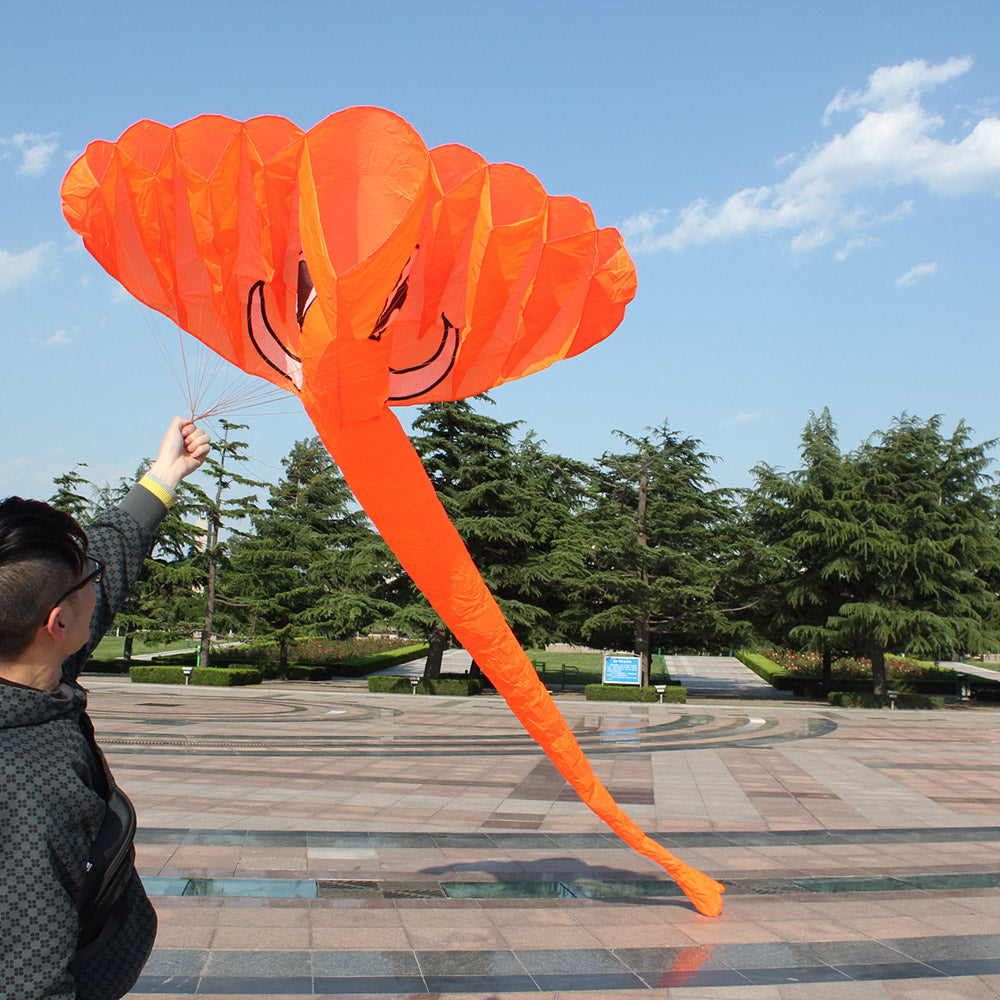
x=387 y=478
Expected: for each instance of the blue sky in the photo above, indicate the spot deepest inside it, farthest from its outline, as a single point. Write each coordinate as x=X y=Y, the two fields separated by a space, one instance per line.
x=809 y=189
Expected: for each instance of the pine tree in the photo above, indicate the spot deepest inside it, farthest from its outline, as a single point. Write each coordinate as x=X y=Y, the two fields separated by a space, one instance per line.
x=74 y=495
x=664 y=541
x=222 y=511
x=310 y=565
x=790 y=515
x=550 y=568
x=157 y=603
x=898 y=548
x=511 y=504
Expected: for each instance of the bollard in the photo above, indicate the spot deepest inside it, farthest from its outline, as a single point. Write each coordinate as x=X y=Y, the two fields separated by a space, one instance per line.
x=893 y=695
x=660 y=688
x=414 y=681
x=187 y=674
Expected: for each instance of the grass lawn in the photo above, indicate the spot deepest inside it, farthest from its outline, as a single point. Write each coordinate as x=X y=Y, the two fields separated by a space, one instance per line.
x=588 y=666
x=111 y=647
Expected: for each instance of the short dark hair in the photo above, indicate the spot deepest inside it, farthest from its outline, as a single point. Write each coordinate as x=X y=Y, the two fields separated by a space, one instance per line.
x=42 y=553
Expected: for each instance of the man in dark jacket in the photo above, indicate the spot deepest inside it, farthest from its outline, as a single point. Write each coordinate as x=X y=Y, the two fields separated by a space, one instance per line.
x=60 y=588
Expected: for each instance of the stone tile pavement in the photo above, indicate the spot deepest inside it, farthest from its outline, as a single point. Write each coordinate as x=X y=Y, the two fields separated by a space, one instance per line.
x=305 y=842
x=703 y=675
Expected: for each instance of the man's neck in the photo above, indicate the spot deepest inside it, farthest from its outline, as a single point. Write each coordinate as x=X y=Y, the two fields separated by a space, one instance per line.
x=40 y=674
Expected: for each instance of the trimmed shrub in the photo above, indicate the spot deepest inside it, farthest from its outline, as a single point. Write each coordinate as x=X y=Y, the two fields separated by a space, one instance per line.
x=236 y=676
x=110 y=665
x=865 y=699
x=156 y=673
x=312 y=665
x=308 y=672
x=984 y=690
x=674 y=693
x=764 y=668
x=458 y=687
x=359 y=666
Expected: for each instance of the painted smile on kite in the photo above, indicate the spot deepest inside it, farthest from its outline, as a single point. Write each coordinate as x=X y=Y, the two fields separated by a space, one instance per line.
x=409 y=383
x=266 y=341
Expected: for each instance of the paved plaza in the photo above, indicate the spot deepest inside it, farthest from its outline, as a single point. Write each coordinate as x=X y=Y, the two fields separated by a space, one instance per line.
x=322 y=841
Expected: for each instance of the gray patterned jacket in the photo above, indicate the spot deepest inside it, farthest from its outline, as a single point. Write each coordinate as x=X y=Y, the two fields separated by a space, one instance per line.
x=51 y=806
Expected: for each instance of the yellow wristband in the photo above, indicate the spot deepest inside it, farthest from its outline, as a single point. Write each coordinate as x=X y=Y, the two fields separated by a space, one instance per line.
x=158 y=490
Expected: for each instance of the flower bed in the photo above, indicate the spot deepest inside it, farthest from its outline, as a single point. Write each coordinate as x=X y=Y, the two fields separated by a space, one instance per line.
x=802 y=673
x=898 y=669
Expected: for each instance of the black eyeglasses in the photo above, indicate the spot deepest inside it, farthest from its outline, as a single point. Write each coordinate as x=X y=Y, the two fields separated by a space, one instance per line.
x=96 y=568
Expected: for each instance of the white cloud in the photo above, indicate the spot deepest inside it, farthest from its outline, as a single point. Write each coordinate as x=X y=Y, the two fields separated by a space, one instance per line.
x=894 y=86
x=34 y=150
x=833 y=193
x=915 y=274
x=741 y=418
x=59 y=339
x=854 y=243
x=643 y=223
x=20 y=268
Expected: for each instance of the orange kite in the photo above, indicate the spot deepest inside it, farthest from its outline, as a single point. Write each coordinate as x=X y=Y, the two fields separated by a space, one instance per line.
x=359 y=270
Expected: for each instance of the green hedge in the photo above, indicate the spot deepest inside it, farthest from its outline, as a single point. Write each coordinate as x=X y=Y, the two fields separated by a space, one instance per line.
x=156 y=673
x=308 y=672
x=359 y=666
x=235 y=676
x=108 y=665
x=363 y=665
x=454 y=686
x=765 y=668
x=865 y=699
x=674 y=693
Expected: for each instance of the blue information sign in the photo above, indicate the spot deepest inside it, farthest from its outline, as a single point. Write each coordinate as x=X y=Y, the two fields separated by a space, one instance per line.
x=621 y=670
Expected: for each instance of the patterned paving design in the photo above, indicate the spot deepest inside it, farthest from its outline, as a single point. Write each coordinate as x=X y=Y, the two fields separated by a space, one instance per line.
x=318 y=842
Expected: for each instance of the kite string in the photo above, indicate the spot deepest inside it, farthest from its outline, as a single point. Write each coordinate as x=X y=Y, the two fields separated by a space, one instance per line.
x=209 y=384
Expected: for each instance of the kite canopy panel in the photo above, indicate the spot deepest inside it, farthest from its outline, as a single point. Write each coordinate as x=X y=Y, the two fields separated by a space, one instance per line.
x=349 y=263
x=356 y=268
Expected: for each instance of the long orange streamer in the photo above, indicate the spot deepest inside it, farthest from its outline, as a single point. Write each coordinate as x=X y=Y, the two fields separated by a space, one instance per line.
x=443 y=570
x=359 y=270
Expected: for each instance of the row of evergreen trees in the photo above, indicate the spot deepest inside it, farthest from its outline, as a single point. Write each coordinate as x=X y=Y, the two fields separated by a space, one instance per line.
x=891 y=547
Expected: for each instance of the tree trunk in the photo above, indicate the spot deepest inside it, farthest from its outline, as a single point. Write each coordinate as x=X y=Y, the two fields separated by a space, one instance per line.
x=645 y=653
x=127 y=651
x=827 y=670
x=206 y=632
x=642 y=619
x=879 y=685
x=283 y=655
x=438 y=641
x=212 y=541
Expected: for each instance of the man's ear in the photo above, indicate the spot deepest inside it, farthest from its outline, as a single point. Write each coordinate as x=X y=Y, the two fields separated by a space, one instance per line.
x=58 y=621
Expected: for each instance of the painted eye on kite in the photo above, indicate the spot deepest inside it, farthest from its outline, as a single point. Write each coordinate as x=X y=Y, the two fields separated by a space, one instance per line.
x=305 y=293
x=395 y=301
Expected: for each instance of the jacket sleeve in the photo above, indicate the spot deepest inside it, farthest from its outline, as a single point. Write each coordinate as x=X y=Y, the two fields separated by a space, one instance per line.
x=121 y=537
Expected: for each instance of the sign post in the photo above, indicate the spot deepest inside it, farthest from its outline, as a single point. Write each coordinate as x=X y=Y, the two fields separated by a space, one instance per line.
x=620 y=669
